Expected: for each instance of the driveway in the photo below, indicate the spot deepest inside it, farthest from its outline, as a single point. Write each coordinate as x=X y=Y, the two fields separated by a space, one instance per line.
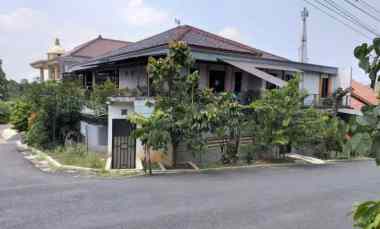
x=284 y=197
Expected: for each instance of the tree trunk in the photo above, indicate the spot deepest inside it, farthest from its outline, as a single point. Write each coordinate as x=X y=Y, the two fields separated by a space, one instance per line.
x=175 y=147
x=150 y=163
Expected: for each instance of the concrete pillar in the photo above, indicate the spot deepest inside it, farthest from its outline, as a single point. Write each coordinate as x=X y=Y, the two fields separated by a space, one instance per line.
x=56 y=73
x=42 y=74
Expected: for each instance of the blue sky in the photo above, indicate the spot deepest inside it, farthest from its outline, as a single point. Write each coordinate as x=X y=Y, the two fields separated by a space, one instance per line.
x=28 y=28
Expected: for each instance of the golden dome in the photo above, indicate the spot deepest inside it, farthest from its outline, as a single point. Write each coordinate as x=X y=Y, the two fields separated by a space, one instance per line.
x=56 y=48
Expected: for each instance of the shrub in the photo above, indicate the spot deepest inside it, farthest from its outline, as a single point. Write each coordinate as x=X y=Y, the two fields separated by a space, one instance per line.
x=19 y=115
x=248 y=153
x=4 y=112
x=38 y=135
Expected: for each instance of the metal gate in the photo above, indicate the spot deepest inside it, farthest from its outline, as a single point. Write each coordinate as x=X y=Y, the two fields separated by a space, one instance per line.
x=123 y=145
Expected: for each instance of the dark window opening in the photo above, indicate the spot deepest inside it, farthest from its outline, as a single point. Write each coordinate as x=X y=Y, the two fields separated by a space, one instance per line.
x=238 y=82
x=217 y=80
x=287 y=77
x=88 y=80
x=103 y=76
x=325 y=87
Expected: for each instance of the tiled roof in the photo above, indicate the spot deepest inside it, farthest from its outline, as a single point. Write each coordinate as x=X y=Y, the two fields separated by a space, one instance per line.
x=193 y=37
x=96 y=47
x=362 y=95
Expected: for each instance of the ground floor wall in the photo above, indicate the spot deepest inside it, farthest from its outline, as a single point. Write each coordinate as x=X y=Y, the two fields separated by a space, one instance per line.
x=95 y=136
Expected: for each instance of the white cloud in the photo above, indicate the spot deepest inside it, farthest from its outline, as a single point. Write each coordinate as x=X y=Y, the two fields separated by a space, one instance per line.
x=231 y=33
x=21 y=19
x=28 y=33
x=138 y=13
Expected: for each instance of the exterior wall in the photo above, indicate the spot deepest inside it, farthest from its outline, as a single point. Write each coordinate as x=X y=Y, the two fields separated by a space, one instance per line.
x=115 y=112
x=132 y=77
x=96 y=136
x=310 y=83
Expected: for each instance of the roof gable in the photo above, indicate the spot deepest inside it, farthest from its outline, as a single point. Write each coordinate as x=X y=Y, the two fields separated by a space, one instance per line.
x=96 y=47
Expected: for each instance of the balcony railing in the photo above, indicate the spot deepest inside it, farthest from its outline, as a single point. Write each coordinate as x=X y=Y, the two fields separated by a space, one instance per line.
x=316 y=100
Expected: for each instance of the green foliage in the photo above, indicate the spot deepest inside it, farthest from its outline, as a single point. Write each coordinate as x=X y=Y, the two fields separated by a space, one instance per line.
x=20 y=111
x=248 y=153
x=99 y=97
x=57 y=106
x=280 y=118
x=367 y=215
x=368 y=56
x=77 y=155
x=5 y=108
x=3 y=84
x=366 y=134
x=179 y=112
x=229 y=119
x=38 y=134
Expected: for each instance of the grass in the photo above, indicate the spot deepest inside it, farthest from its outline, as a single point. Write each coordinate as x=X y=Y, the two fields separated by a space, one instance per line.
x=77 y=155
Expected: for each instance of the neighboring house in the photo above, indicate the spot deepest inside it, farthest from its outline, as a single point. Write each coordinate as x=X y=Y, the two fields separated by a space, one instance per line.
x=223 y=64
x=59 y=61
x=362 y=95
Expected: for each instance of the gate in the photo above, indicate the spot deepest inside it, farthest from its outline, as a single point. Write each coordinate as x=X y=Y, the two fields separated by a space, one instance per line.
x=123 y=145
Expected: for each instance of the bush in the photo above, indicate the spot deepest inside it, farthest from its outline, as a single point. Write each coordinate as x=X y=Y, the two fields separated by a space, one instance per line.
x=19 y=115
x=4 y=112
x=248 y=153
x=38 y=135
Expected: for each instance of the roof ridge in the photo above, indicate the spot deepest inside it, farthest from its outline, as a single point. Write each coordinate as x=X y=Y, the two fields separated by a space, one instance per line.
x=224 y=39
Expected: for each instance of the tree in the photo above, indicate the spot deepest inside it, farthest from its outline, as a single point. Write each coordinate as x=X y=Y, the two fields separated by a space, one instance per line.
x=56 y=107
x=281 y=121
x=366 y=134
x=229 y=119
x=367 y=215
x=173 y=83
x=99 y=97
x=3 y=83
x=369 y=59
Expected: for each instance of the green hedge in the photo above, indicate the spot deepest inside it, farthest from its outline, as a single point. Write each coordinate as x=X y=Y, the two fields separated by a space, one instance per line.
x=4 y=112
x=19 y=115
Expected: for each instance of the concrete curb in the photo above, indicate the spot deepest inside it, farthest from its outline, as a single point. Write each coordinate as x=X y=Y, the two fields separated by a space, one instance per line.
x=54 y=162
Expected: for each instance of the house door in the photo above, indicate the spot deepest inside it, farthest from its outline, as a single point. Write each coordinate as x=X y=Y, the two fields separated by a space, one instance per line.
x=123 y=145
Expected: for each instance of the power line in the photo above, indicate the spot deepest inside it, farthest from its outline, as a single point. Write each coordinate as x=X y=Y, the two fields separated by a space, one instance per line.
x=337 y=19
x=369 y=6
x=341 y=11
x=363 y=11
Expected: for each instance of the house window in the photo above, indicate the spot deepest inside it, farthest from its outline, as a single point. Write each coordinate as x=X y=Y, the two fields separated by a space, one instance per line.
x=88 y=80
x=103 y=76
x=238 y=82
x=325 y=87
x=217 y=80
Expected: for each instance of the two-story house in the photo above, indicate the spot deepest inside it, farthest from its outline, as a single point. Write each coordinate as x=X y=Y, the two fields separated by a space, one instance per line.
x=223 y=64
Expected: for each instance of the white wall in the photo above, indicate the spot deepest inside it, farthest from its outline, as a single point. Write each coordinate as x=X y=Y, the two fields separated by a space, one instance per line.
x=96 y=136
x=310 y=83
x=114 y=112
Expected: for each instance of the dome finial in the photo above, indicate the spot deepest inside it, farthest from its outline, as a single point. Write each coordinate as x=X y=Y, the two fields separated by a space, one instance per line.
x=57 y=42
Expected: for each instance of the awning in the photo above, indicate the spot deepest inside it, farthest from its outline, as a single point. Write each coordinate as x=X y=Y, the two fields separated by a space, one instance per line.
x=277 y=67
x=252 y=69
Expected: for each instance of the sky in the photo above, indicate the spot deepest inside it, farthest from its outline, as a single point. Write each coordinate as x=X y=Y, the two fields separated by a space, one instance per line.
x=28 y=27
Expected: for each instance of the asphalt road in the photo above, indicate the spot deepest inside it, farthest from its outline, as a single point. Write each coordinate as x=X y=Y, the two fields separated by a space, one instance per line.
x=285 y=197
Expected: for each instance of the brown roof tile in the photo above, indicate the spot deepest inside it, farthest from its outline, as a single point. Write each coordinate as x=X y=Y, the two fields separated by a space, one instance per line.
x=362 y=95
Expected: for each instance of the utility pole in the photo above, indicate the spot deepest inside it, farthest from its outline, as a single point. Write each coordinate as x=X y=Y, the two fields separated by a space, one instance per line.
x=303 y=49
